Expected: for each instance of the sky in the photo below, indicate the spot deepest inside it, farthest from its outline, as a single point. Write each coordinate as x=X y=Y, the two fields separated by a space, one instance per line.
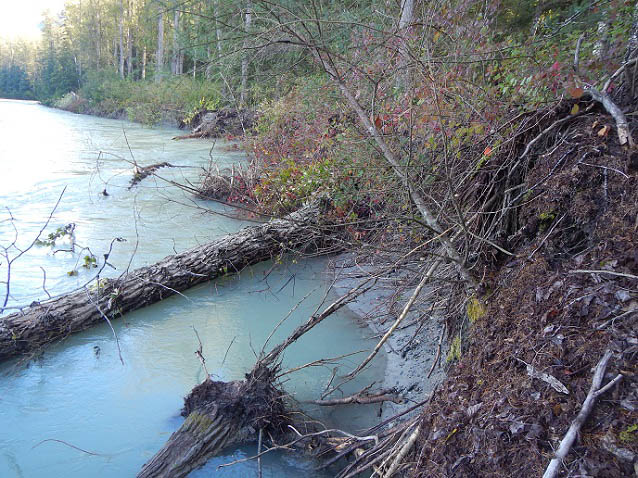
x=22 y=18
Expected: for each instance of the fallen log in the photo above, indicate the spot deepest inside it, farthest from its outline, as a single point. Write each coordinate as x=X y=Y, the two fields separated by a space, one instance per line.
x=39 y=324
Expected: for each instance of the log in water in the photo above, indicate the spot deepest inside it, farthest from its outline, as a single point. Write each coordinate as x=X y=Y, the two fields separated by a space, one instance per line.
x=25 y=331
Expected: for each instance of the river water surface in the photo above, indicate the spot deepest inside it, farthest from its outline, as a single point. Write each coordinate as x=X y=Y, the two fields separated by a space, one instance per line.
x=78 y=391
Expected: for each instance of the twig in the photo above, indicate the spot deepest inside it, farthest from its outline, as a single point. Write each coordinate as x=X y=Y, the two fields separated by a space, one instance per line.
x=618 y=72
x=67 y=444
x=545 y=131
x=316 y=319
x=438 y=351
x=607 y=168
x=318 y=362
x=261 y=433
x=44 y=282
x=108 y=321
x=570 y=437
x=613 y=321
x=227 y=350
x=24 y=251
x=300 y=437
x=404 y=451
x=200 y=354
x=599 y=271
x=361 y=397
x=551 y=230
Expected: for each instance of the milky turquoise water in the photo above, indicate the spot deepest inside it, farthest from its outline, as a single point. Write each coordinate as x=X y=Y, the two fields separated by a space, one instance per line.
x=77 y=391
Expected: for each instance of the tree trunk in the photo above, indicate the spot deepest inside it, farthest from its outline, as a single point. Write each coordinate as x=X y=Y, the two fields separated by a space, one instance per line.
x=159 y=57
x=98 y=41
x=631 y=53
x=26 y=331
x=175 y=61
x=244 y=60
x=129 y=43
x=407 y=18
x=218 y=31
x=121 y=39
x=144 y=63
x=601 y=47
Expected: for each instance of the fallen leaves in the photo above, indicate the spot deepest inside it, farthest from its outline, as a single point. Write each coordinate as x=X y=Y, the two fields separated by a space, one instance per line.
x=604 y=131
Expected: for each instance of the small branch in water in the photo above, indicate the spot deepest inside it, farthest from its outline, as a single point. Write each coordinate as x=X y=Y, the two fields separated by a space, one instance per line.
x=404 y=313
x=227 y=350
x=261 y=434
x=67 y=444
x=199 y=353
x=318 y=362
x=97 y=306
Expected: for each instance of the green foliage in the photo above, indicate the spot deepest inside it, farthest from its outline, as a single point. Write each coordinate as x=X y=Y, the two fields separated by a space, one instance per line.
x=629 y=434
x=15 y=83
x=475 y=309
x=59 y=233
x=89 y=261
x=147 y=102
x=288 y=186
x=455 y=351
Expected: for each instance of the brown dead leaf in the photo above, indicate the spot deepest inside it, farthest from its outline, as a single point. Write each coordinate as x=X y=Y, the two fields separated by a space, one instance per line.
x=575 y=92
x=603 y=131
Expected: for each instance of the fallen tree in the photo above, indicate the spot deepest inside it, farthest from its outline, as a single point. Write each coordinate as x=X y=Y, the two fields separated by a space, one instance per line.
x=41 y=323
x=222 y=414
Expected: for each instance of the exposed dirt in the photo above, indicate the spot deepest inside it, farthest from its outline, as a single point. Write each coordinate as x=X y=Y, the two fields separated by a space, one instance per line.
x=490 y=418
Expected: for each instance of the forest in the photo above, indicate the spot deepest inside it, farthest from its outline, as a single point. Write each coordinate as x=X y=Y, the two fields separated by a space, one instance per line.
x=480 y=153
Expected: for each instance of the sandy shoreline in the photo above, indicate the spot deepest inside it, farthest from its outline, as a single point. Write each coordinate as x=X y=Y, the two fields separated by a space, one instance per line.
x=411 y=349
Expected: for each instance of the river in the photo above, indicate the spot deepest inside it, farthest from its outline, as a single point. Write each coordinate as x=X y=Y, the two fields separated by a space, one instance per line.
x=77 y=392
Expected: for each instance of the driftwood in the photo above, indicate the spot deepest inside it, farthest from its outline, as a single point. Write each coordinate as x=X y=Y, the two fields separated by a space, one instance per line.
x=595 y=391
x=360 y=398
x=25 y=331
x=142 y=172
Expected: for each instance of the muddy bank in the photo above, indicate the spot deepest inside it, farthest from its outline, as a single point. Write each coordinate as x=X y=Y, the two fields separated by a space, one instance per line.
x=412 y=349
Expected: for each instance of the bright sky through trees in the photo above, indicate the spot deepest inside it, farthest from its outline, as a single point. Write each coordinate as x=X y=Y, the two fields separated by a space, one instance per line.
x=23 y=18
